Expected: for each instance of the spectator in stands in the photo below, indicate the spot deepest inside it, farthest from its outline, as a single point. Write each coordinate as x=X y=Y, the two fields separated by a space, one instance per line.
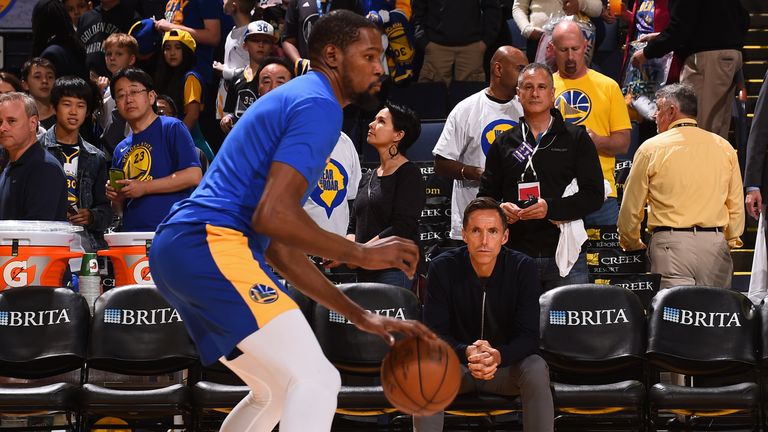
x=454 y=36
x=391 y=196
x=299 y=18
x=76 y=9
x=709 y=36
x=756 y=172
x=85 y=166
x=32 y=186
x=37 y=77
x=589 y=98
x=531 y=16
x=473 y=126
x=235 y=53
x=691 y=179
x=120 y=51
x=483 y=299
x=166 y=106
x=54 y=38
x=259 y=42
x=9 y=83
x=95 y=27
x=158 y=158
x=177 y=78
x=201 y=19
x=531 y=167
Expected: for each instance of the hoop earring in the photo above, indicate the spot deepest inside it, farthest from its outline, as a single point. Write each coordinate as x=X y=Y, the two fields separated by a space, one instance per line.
x=391 y=153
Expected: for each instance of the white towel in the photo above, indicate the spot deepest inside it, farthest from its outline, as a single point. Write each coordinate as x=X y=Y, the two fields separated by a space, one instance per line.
x=572 y=236
x=757 y=282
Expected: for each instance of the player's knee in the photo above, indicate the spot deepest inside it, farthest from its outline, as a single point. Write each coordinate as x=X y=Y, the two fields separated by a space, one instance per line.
x=322 y=376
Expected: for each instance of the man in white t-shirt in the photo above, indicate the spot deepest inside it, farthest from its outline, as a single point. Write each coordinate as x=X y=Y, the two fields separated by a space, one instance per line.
x=328 y=204
x=473 y=126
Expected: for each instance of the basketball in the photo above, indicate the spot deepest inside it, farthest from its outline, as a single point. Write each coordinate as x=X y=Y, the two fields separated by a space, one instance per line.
x=420 y=377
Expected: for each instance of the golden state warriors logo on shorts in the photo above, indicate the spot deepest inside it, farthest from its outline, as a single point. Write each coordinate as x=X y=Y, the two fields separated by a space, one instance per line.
x=331 y=189
x=492 y=131
x=138 y=162
x=5 y=6
x=263 y=294
x=574 y=105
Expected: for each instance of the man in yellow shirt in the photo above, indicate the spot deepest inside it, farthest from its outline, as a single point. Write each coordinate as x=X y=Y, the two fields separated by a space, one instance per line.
x=589 y=98
x=691 y=182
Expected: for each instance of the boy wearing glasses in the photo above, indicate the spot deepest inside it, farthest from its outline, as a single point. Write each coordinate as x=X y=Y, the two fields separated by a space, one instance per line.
x=158 y=157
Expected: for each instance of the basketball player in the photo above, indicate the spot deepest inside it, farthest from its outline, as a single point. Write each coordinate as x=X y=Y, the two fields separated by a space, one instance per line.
x=209 y=257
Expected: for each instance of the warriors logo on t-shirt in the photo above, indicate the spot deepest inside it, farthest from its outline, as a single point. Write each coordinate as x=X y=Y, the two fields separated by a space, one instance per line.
x=137 y=163
x=574 y=105
x=174 y=11
x=331 y=189
x=493 y=130
x=263 y=294
x=5 y=6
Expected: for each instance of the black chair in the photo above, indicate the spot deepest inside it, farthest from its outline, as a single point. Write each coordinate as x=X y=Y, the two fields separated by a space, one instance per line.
x=593 y=338
x=136 y=332
x=356 y=354
x=428 y=99
x=705 y=332
x=43 y=333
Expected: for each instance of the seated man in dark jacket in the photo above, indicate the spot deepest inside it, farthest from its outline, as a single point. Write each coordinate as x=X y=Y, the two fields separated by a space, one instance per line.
x=483 y=299
x=85 y=166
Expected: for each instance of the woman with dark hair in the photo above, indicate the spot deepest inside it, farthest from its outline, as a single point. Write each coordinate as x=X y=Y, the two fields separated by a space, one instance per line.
x=390 y=197
x=54 y=38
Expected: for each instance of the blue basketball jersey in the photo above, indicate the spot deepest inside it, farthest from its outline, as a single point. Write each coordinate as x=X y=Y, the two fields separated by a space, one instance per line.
x=297 y=124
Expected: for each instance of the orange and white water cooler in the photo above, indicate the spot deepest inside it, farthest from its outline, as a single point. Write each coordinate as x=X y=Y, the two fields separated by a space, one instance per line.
x=129 y=252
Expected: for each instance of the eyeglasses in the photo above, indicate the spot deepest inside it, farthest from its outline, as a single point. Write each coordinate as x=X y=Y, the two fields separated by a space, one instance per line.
x=132 y=93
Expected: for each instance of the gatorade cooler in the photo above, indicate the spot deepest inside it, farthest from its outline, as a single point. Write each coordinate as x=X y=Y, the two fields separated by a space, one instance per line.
x=35 y=252
x=129 y=252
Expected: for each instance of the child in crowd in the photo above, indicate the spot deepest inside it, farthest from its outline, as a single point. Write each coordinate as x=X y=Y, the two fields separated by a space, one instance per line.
x=166 y=106
x=235 y=55
x=37 y=77
x=259 y=42
x=85 y=166
x=75 y=9
x=175 y=77
x=120 y=52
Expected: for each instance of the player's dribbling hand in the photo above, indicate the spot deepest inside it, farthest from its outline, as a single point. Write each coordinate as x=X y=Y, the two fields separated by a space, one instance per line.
x=385 y=326
x=390 y=252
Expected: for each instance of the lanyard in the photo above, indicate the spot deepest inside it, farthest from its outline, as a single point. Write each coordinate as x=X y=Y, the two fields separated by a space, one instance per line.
x=320 y=10
x=529 y=164
x=684 y=124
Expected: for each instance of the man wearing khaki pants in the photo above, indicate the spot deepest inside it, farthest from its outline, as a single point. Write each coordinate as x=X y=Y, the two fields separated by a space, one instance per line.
x=454 y=36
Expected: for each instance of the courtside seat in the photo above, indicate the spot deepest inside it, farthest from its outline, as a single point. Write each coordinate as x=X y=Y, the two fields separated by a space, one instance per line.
x=43 y=333
x=704 y=332
x=593 y=338
x=357 y=354
x=136 y=332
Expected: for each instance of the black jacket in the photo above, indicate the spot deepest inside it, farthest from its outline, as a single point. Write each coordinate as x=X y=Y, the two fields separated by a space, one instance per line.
x=33 y=187
x=566 y=152
x=701 y=25
x=453 y=306
x=456 y=22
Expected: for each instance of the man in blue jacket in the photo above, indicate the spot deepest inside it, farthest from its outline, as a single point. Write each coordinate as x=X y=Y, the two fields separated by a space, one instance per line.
x=483 y=299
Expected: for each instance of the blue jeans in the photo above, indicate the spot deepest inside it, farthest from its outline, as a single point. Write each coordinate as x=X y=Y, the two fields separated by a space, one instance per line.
x=549 y=274
x=608 y=214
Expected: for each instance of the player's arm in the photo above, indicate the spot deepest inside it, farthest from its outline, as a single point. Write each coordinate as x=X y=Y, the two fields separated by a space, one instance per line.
x=614 y=144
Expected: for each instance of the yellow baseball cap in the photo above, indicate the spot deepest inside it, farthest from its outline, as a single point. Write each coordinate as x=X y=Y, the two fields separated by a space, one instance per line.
x=181 y=36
